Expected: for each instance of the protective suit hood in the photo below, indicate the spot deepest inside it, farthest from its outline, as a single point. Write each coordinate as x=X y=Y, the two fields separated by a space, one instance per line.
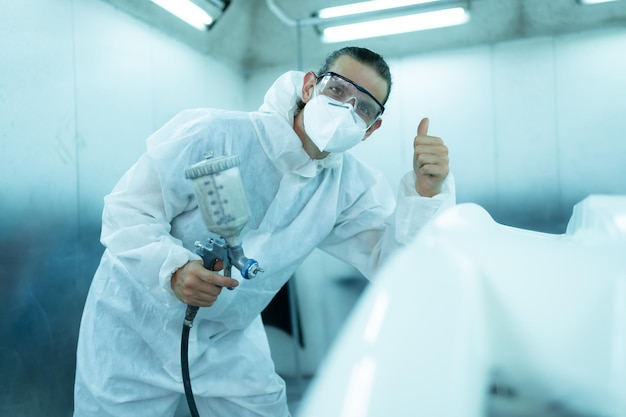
x=282 y=99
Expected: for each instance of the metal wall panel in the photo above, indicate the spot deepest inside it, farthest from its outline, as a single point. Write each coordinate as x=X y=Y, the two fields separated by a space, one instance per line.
x=40 y=251
x=82 y=85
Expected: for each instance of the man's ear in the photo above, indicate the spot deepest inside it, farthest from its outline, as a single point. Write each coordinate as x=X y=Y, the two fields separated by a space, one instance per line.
x=371 y=130
x=307 y=86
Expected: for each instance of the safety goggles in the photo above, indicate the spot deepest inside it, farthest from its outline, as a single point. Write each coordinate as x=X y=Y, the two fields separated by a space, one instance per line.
x=344 y=90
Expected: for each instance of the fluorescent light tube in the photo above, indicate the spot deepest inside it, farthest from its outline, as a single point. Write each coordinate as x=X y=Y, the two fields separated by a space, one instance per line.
x=188 y=12
x=368 y=6
x=595 y=1
x=395 y=25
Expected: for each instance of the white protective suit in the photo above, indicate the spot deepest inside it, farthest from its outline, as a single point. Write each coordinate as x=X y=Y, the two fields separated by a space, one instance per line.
x=128 y=358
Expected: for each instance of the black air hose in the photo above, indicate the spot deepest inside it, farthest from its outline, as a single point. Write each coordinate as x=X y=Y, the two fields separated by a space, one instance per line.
x=190 y=314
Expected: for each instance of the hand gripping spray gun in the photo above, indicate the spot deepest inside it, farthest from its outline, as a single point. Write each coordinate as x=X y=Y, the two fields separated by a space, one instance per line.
x=225 y=211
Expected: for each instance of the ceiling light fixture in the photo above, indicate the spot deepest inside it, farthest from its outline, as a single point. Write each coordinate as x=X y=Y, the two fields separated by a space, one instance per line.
x=201 y=14
x=395 y=25
x=367 y=19
x=376 y=18
x=594 y=1
x=368 y=6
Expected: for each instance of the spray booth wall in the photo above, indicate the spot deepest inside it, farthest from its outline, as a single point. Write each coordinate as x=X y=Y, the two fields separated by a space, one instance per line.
x=82 y=85
x=533 y=127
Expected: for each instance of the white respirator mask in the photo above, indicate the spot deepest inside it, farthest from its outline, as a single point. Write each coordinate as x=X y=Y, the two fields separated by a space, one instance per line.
x=332 y=126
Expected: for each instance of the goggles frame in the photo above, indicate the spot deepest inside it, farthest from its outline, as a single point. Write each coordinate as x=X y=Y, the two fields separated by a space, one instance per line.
x=358 y=87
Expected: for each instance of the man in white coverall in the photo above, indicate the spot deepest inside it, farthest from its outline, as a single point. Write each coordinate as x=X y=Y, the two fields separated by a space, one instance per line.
x=304 y=192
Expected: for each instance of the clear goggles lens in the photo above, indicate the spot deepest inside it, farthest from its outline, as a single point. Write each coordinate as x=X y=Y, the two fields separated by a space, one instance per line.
x=343 y=90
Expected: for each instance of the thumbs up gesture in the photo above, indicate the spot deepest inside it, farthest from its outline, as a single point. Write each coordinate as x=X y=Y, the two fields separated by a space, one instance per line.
x=430 y=161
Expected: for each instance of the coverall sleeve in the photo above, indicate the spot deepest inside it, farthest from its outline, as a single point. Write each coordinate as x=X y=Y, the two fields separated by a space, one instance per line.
x=136 y=222
x=372 y=228
x=413 y=211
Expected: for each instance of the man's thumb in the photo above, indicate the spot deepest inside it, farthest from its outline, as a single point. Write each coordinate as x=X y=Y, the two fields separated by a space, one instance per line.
x=422 y=129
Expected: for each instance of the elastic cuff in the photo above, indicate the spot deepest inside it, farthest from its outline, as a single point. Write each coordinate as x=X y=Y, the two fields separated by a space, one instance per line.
x=174 y=261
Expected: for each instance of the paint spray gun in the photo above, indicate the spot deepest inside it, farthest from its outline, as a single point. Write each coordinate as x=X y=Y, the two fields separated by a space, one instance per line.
x=225 y=211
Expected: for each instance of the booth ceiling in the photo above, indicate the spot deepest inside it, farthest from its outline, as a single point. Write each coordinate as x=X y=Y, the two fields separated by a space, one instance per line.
x=251 y=36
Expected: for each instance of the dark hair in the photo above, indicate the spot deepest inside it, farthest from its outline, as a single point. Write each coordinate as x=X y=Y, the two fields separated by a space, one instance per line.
x=362 y=55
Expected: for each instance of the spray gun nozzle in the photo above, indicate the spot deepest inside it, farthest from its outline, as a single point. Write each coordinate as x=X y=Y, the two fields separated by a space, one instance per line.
x=252 y=270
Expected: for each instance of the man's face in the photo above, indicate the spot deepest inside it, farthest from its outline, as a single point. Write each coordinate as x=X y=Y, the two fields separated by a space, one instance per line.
x=362 y=75
x=356 y=72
